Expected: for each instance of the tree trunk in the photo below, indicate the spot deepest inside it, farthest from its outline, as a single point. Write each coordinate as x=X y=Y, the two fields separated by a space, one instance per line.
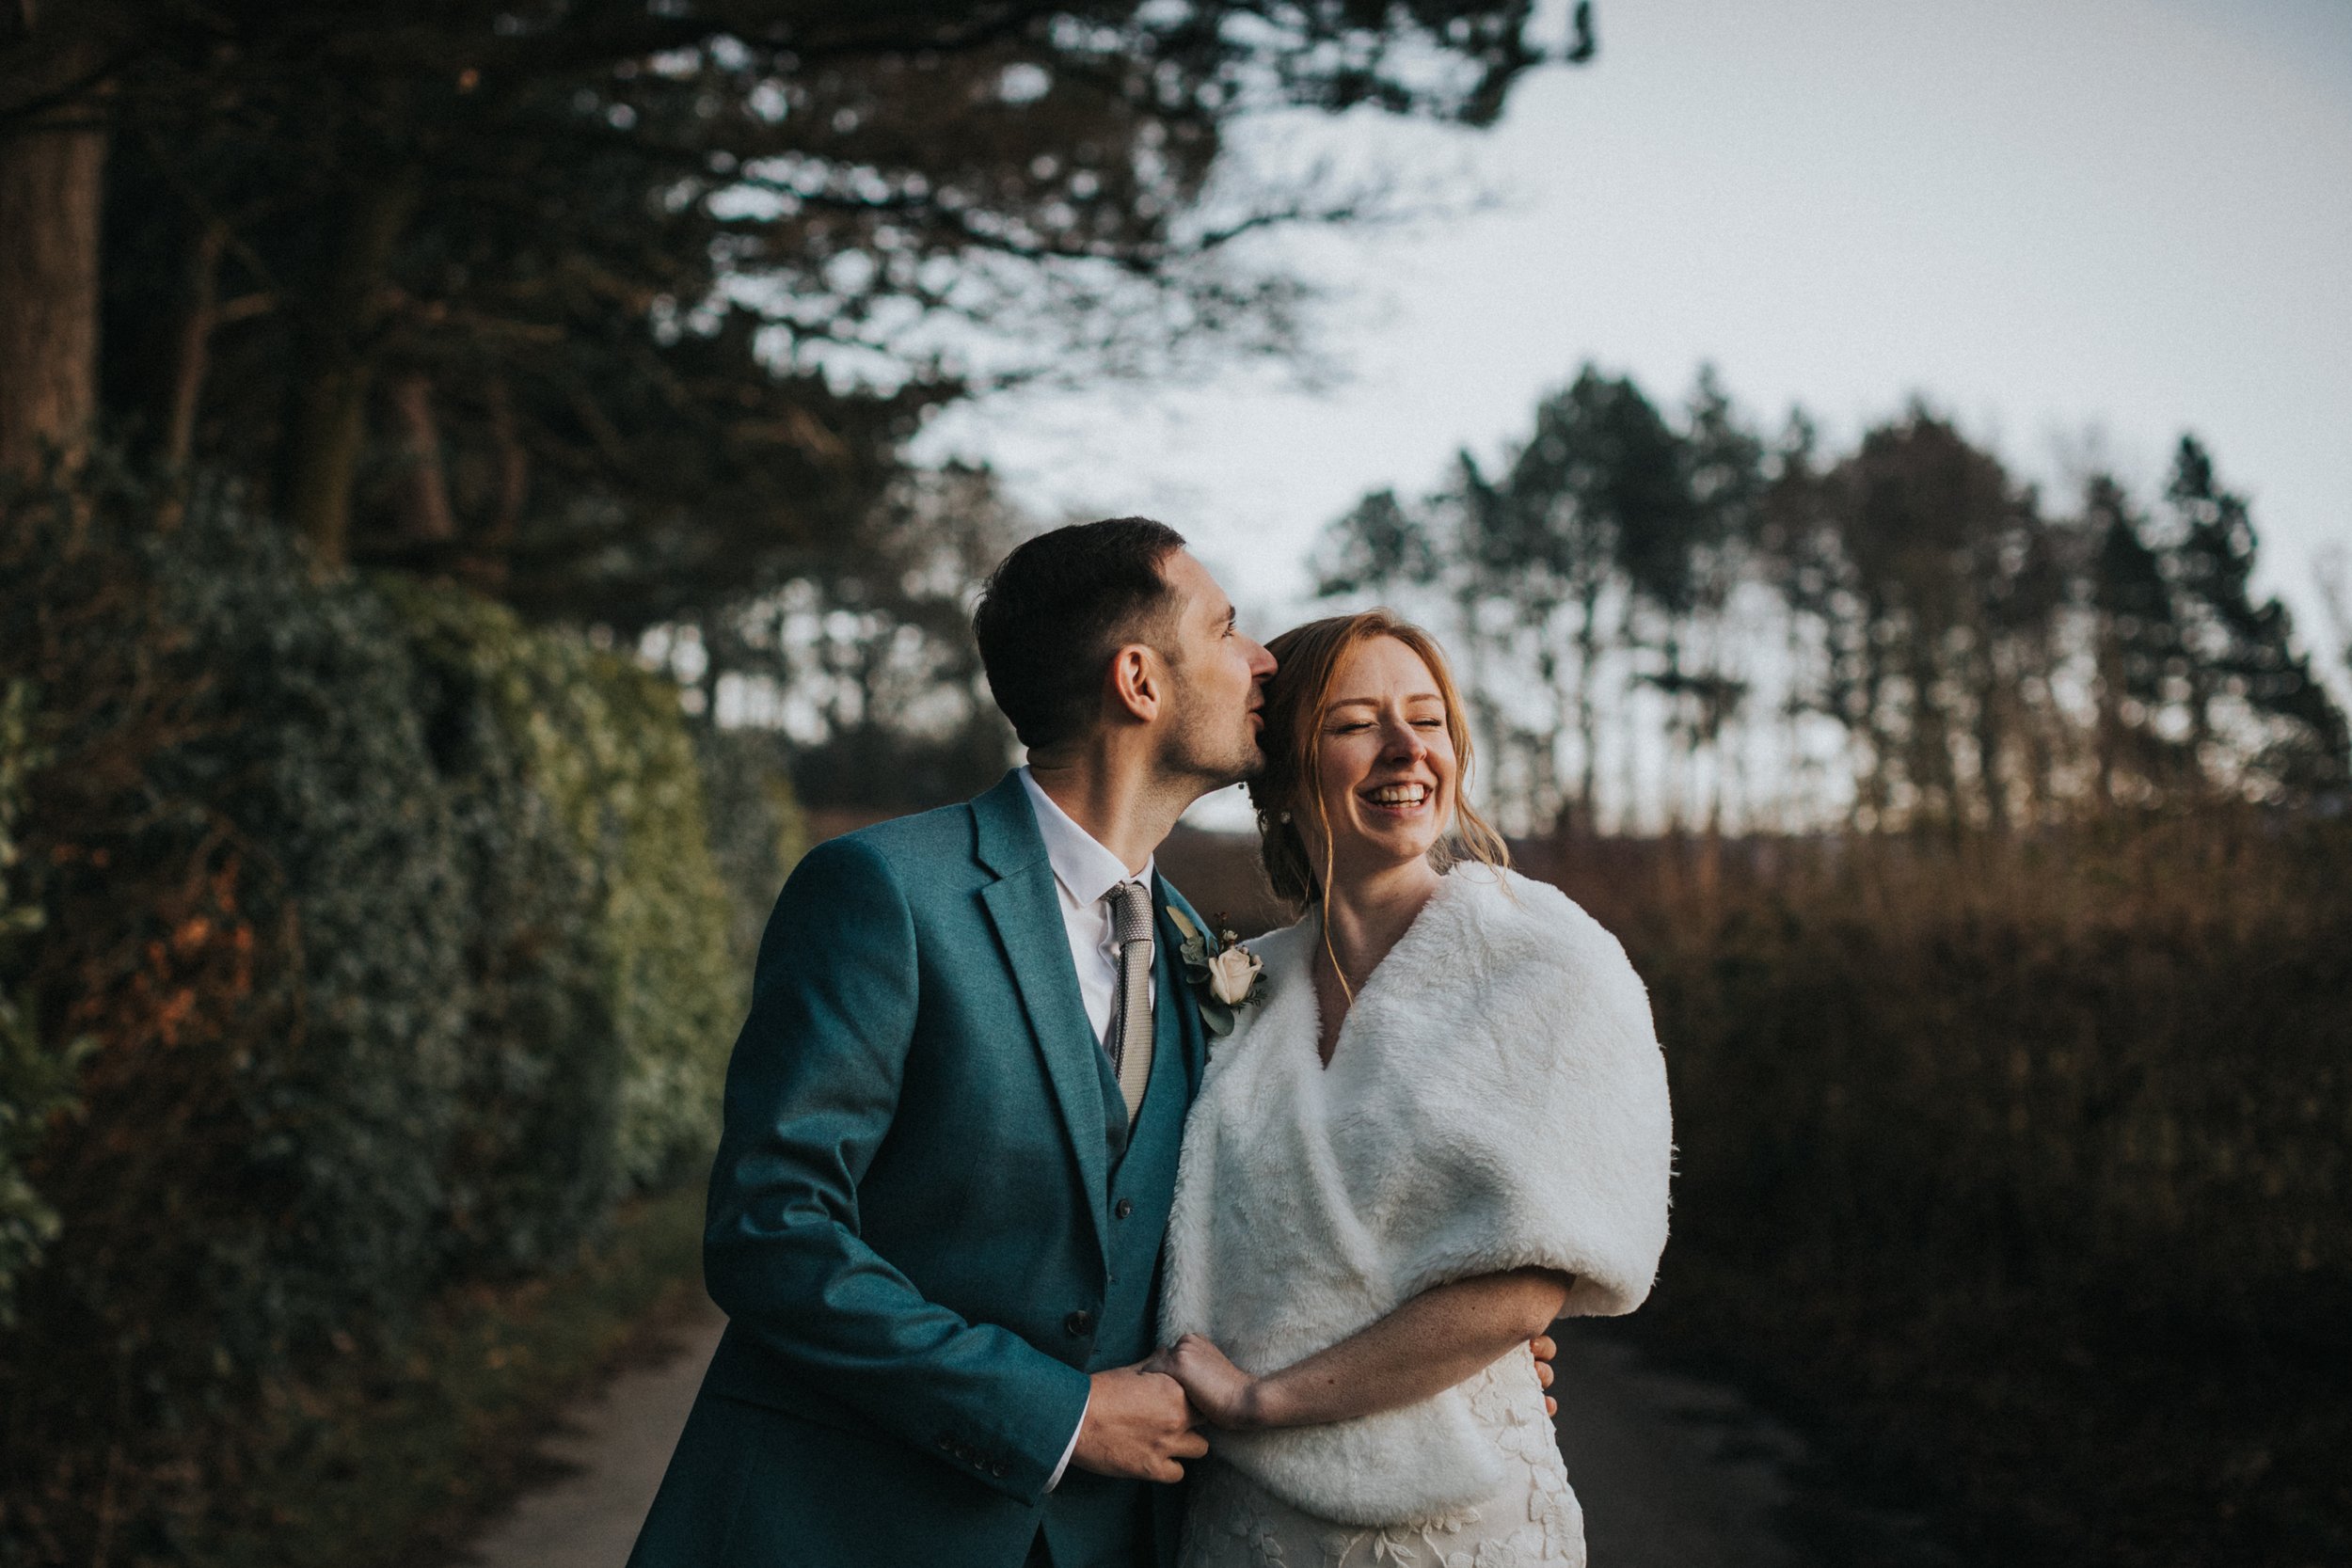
x=426 y=482
x=193 y=353
x=513 y=465
x=1874 y=792
x=52 y=165
x=1587 y=729
x=1567 y=814
x=1991 y=740
x=327 y=424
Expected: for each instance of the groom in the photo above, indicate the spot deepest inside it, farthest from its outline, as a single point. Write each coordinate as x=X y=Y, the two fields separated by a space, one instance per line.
x=953 y=1114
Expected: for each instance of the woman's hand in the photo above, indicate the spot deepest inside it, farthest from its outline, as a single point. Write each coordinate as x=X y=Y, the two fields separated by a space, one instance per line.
x=1224 y=1394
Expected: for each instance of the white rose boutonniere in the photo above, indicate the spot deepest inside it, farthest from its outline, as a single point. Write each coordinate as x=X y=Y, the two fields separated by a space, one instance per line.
x=1224 y=974
x=1232 y=974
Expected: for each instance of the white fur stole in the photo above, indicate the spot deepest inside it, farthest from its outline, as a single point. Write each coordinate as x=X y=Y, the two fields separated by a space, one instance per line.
x=1496 y=1100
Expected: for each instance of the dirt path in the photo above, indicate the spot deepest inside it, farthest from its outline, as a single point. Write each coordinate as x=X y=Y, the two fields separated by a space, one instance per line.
x=1674 y=1472
x=616 y=1445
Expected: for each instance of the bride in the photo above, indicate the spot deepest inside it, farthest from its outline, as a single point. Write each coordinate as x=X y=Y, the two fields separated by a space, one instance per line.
x=1439 y=1124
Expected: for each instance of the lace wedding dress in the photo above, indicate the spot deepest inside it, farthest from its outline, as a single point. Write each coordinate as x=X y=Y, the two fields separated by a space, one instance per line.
x=1533 y=1519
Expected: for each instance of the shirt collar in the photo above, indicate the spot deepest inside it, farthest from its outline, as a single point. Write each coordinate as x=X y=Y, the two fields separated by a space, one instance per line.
x=1083 y=866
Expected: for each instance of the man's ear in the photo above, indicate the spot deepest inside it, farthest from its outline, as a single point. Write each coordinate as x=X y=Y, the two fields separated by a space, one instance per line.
x=1139 y=686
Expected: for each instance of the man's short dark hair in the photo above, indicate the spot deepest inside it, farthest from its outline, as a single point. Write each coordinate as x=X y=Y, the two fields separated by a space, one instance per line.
x=1056 y=609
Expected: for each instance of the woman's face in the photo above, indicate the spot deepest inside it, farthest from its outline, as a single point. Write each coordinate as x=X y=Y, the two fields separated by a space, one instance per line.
x=1387 y=774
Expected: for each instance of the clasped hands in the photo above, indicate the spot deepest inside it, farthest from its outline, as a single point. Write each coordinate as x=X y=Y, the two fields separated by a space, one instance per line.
x=1144 y=1420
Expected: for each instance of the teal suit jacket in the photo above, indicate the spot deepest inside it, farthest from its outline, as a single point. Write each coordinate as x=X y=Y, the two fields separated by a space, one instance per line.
x=912 y=1223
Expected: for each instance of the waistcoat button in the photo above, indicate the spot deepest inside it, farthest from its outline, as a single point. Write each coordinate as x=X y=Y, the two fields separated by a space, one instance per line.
x=1126 y=1207
x=1077 y=1325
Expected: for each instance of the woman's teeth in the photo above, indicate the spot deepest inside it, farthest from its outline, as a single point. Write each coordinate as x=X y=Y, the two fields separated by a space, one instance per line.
x=1399 y=795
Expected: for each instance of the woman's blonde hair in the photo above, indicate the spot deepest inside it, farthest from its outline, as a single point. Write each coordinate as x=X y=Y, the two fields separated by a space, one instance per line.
x=1284 y=790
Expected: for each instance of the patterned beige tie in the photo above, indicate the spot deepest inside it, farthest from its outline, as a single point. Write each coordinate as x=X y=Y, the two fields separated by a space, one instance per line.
x=1130 y=1041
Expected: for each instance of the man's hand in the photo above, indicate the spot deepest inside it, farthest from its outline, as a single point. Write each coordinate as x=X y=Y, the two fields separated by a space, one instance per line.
x=1138 y=1424
x=1544 y=1350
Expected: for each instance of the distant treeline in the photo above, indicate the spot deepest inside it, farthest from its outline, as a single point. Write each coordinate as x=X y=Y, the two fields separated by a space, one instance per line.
x=356 y=939
x=1666 y=616
x=2021 y=1168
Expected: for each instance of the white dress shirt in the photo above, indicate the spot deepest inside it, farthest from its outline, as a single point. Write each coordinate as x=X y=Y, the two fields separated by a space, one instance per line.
x=1084 y=874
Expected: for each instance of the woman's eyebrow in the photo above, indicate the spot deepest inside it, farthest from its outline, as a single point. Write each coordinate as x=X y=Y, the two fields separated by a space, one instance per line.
x=1375 y=702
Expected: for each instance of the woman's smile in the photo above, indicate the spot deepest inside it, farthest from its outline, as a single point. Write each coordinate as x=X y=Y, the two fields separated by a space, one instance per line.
x=1399 y=799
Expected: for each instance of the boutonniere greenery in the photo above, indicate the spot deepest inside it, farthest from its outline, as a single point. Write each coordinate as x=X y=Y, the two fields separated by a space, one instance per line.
x=1224 y=974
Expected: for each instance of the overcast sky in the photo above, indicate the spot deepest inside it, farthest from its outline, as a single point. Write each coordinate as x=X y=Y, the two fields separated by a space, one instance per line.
x=2067 y=218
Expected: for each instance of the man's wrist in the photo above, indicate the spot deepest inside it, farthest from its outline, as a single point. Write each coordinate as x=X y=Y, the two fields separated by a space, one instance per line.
x=1072 y=1447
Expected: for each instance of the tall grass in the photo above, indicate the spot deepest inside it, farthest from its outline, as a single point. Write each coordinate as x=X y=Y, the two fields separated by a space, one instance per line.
x=2025 y=1164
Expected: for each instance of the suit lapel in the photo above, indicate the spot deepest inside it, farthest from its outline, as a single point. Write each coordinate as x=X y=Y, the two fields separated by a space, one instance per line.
x=1026 y=910
x=1176 y=990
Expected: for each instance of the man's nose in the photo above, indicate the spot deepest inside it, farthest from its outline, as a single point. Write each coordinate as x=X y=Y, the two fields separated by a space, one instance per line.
x=1261 y=664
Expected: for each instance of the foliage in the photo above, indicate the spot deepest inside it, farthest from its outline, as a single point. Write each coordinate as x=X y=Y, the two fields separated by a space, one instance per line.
x=2022 y=1162
x=614 y=756
x=366 y=1464
x=870 y=669
x=532 y=1164
x=393 y=930
x=241 y=853
x=313 y=750
x=34 y=1082
x=2243 y=664
x=602 y=776
x=1968 y=657
x=757 y=832
x=629 y=308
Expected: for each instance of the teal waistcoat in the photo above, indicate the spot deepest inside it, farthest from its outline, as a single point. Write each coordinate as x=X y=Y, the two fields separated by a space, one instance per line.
x=1089 y=1519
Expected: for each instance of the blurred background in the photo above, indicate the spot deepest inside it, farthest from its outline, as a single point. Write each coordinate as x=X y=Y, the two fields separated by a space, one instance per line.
x=482 y=486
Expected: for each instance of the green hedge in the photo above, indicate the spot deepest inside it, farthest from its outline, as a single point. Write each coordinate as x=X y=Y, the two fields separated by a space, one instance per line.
x=533 y=1157
x=311 y=744
x=606 y=767
x=382 y=947
x=757 y=832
